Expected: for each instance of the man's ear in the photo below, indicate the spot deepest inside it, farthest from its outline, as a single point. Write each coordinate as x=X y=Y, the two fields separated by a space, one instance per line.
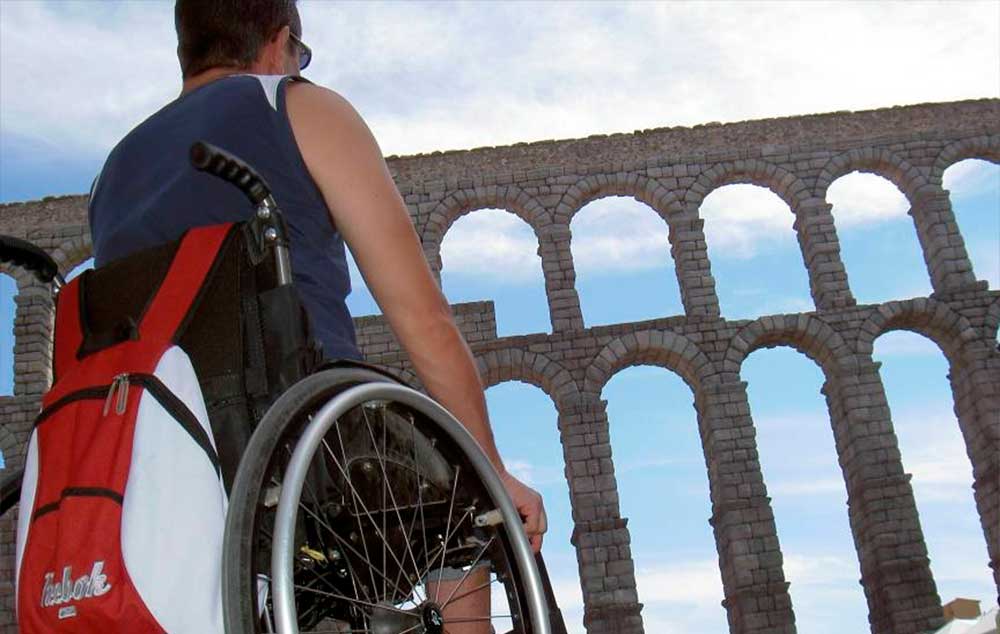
x=282 y=35
x=273 y=52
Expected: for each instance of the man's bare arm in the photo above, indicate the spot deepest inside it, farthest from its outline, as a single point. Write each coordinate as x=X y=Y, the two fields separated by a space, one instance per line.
x=344 y=159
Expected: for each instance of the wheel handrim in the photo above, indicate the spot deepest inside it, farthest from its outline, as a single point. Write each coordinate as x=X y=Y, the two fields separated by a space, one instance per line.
x=514 y=545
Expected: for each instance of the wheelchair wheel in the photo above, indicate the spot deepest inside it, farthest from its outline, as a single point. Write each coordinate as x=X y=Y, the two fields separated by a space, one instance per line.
x=354 y=493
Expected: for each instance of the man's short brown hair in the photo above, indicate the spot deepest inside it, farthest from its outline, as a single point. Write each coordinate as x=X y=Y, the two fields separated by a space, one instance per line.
x=228 y=32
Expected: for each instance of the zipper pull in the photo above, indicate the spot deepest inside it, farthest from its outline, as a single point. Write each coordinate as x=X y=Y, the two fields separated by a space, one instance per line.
x=120 y=383
x=122 y=394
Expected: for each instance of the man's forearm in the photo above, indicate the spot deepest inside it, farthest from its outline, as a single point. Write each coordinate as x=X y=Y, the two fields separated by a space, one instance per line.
x=443 y=361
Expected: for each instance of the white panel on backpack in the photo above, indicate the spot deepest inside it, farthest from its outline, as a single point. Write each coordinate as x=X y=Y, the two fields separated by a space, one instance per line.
x=29 y=482
x=174 y=511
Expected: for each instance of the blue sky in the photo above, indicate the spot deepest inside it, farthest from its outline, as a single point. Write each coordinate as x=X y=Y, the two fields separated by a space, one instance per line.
x=75 y=76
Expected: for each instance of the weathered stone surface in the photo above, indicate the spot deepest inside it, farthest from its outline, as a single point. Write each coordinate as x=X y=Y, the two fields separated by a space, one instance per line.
x=673 y=170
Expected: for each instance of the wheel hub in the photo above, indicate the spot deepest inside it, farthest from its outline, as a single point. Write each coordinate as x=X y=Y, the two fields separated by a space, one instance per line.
x=433 y=619
x=424 y=619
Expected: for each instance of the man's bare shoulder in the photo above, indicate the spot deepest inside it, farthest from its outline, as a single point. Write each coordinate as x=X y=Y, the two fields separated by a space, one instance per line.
x=313 y=104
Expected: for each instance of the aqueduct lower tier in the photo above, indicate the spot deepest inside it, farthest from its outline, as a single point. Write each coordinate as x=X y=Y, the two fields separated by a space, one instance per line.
x=672 y=170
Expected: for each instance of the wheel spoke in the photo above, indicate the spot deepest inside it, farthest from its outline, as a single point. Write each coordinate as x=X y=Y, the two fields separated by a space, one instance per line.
x=469 y=571
x=322 y=590
x=471 y=619
x=364 y=507
x=472 y=590
x=350 y=566
x=346 y=544
x=392 y=496
x=420 y=487
x=420 y=505
x=350 y=600
x=451 y=509
x=347 y=478
x=441 y=549
x=385 y=485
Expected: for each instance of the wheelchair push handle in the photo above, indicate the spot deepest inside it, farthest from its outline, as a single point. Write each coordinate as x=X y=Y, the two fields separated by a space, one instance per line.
x=26 y=255
x=214 y=160
x=269 y=226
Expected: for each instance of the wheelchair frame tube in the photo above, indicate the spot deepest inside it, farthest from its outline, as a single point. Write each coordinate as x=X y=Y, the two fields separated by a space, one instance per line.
x=282 y=554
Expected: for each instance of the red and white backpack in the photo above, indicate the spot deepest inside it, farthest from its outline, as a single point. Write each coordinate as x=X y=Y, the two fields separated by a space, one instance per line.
x=123 y=506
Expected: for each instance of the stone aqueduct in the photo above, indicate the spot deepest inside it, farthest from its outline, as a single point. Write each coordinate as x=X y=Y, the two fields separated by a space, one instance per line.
x=672 y=170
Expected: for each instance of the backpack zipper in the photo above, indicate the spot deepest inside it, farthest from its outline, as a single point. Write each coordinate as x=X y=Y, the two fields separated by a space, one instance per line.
x=119 y=387
x=120 y=383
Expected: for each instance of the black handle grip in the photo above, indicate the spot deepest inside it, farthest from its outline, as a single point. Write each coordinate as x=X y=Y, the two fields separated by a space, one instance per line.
x=556 y=622
x=10 y=488
x=26 y=255
x=214 y=160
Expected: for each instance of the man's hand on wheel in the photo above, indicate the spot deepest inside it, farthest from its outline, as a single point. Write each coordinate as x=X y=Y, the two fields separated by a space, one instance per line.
x=529 y=505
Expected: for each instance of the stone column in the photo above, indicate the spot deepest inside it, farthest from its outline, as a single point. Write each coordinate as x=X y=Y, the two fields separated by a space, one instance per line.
x=433 y=256
x=600 y=534
x=895 y=570
x=820 y=247
x=33 y=327
x=694 y=271
x=756 y=593
x=8 y=532
x=976 y=390
x=942 y=244
x=560 y=278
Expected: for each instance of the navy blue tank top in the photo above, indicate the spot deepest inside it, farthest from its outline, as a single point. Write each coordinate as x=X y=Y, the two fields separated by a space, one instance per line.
x=148 y=193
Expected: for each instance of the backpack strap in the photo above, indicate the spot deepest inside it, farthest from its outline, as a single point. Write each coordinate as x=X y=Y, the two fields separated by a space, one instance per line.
x=68 y=332
x=185 y=278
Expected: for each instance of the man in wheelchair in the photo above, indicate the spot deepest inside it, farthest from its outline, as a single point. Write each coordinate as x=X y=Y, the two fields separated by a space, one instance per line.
x=242 y=91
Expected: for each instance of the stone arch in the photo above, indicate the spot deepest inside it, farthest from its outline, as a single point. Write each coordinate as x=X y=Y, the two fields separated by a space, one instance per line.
x=819 y=261
x=808 y=334
x=972 y=377
x=878 y=161
x=510 y=198
x=948 y=265
x=865 y=443
x=684 y=231
x=10 y=447
x=663 y=349
x=73 y=251
x=980 y=147
x=784 y=184
x=951 y=331
x=992 y=323
x=35 y=305
x=498 y=366
x=642 y=188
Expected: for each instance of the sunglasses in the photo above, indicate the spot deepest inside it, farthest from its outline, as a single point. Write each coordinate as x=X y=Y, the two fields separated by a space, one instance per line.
x=305 y=54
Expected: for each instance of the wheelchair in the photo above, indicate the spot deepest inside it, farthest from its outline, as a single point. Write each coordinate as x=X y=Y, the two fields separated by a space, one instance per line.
x=354 y=493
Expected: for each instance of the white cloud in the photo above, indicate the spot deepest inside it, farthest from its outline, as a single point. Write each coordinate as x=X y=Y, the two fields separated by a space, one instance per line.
x=900 y=343
x=862 y=199
x=934 y=452
x=971 y=176
x=455 y=75
x=618 y=234
x=494 y=244
x=741 y=219
x=78 y=75
x=821 y=486
x=697 y=582
x=536 y=475
x=818 y=568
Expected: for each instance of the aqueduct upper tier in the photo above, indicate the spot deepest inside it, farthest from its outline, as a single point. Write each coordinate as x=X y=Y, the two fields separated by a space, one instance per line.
x=673 y=170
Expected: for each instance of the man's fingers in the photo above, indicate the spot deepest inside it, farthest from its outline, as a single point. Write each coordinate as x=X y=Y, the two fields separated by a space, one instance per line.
x=535 y=522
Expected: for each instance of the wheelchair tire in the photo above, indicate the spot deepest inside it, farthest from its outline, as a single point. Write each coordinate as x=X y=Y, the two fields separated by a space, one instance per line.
x=301 y=549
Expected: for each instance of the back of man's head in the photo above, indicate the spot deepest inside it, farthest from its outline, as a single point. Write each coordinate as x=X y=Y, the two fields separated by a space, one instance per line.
x=228 y=33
